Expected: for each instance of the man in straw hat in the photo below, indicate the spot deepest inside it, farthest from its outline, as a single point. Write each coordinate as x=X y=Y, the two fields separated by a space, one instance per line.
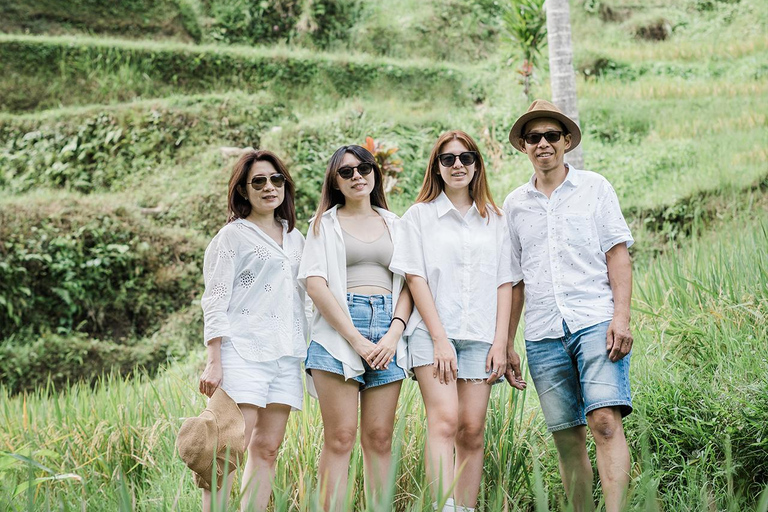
x=570 y=241
x=218 y=433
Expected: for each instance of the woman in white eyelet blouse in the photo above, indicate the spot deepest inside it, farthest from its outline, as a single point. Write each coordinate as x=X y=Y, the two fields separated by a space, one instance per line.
x=455 y=252
x=254 y=315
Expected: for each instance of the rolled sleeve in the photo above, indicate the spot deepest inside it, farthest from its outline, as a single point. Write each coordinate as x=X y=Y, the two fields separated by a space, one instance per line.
x=612 y=229
x=408 y=255
x=314 y=262
x=505 y=272
x=515 y=249
x=219 y=277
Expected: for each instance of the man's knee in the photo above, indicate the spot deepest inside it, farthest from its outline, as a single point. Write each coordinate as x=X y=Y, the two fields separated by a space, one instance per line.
x=605 y=423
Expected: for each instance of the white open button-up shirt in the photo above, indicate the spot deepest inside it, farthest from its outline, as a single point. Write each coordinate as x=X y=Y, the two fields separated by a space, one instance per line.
x=251 y=293
x=464 y=259
x=560 y=245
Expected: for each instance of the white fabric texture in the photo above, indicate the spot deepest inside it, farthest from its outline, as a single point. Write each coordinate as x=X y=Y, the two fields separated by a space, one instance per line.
x=251 y=294
x=325 y=256
x=463 y=259
x=560 y=245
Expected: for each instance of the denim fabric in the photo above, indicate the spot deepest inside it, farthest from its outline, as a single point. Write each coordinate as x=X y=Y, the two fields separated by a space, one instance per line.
x=573 y=376
x=470 y=355
x=371 y=315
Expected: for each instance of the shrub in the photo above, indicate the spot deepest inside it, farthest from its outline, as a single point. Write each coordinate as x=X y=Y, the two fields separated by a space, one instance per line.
x=73 y=265
x=98 y=150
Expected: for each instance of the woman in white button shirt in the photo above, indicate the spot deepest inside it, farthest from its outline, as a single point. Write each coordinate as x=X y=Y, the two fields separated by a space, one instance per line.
x=254 y=316
x=357 y=350
x=454 y=250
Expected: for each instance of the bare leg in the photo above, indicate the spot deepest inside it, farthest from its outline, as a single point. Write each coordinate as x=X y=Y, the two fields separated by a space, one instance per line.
x=377 y=421
x=442 y=405
x=473 y=405
x=338 y=406
x=575 y=468
x=249 y=415
x=259 y=472
x=613 y=462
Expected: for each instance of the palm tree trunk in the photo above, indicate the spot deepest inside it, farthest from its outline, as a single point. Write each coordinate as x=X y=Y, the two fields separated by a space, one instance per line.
x=561 y=75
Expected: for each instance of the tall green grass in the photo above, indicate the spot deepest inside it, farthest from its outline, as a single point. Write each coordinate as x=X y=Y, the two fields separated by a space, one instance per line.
x=698 y=435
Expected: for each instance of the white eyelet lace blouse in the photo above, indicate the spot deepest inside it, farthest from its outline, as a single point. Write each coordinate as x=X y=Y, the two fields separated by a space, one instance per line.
x=251 y=293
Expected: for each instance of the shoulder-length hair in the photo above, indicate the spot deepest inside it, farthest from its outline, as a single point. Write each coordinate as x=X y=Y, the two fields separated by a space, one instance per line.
x=238 y=206
x=433 y=183
x=331 y=195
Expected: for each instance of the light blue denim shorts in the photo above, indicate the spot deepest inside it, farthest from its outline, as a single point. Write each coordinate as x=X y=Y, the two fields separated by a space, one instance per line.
x=470 y=355
x=573 y=376
x=371 y=315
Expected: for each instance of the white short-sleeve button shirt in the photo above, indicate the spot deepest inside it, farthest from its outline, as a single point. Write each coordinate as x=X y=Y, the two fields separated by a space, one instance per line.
x=464 y=260
x=251 y=292
x=560 y=245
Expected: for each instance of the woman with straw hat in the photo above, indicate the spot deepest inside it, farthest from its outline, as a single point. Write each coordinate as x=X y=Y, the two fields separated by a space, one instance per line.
x=255 y=322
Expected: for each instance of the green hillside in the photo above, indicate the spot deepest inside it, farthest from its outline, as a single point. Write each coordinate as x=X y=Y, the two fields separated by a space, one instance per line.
x=113 y=116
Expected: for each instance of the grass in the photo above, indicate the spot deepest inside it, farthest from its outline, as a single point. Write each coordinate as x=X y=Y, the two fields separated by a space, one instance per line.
x=698 y=434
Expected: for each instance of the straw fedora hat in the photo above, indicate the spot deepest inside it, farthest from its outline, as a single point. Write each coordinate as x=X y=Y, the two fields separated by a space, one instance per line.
x=543 y=109
x=219 y=431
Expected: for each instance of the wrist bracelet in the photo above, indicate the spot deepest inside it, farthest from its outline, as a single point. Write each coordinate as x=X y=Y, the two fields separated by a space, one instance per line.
x=398 y=318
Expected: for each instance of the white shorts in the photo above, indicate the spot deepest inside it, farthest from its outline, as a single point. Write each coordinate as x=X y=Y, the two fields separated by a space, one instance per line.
x=261 y=383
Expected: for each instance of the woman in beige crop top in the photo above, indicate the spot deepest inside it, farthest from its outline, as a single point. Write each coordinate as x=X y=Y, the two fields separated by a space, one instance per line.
x=357 y=351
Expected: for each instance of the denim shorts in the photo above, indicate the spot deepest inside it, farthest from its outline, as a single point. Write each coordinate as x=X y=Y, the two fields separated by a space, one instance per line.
x=371 y=315
x=573 y=376
x=470 y=355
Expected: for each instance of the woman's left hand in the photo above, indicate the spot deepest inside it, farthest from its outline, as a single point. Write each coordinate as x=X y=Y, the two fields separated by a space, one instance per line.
x=382 y=355
x=496 y=362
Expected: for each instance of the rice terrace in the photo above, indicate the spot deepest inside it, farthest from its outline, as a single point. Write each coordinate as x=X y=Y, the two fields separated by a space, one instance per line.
x=118 y=125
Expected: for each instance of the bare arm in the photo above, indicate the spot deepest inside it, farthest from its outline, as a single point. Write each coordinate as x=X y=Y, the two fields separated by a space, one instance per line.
x=619 y=339
x=446 y=368
x=387 y=346
x=496 y=362
x=514 y=372
x=213 y=374
x=326 y=303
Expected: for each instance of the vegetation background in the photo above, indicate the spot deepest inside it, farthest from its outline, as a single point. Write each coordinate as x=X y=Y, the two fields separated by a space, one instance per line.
x=112 y=180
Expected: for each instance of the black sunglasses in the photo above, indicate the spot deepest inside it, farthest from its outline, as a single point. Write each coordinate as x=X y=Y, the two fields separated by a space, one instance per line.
x=258 y=182
x=466 y=158
x=534 y=138
x=364 y=168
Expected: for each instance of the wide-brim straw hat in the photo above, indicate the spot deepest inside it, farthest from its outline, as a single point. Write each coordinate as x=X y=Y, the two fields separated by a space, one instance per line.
x=218 y=432
x=542 y=109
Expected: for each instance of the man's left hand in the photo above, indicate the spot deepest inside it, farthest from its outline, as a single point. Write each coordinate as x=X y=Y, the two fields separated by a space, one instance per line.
x=619 y=339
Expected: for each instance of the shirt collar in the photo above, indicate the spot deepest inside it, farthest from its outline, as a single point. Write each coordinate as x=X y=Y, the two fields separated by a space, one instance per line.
x=444 y=205
x=573 y=178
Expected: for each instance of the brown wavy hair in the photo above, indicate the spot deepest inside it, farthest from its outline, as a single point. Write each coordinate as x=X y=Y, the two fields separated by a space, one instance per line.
x=331 y=196
x=433 y=183
x=238 y=206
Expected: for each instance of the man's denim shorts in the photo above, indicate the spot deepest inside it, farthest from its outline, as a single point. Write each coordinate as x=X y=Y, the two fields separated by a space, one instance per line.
x=371 y=315
x=573 y=376
x=470 y=355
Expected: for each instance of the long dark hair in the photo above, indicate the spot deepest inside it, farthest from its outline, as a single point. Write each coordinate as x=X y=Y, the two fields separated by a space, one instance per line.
x=237 y=202
x=433 y=183
x=331 y=196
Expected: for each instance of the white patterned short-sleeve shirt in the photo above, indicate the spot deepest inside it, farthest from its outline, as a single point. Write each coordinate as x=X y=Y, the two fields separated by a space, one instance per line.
x=251 y=293
x=560 y=244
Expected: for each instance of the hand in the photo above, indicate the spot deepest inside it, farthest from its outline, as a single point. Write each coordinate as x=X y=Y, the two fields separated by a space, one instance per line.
x=513 y=374
x=211 y=378
x=619 y=340
x=446 y=368
x=380 y=357
x=496 y=362
x=363 y=346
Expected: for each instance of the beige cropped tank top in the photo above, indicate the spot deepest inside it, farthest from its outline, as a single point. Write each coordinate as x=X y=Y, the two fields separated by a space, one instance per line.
x=368 y=262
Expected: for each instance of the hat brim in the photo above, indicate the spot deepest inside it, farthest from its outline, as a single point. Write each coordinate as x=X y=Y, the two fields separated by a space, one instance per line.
x=516 y=133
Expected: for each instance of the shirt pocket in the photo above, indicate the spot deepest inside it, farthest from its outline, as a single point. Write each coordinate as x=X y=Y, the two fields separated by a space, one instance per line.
x=578 y=229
